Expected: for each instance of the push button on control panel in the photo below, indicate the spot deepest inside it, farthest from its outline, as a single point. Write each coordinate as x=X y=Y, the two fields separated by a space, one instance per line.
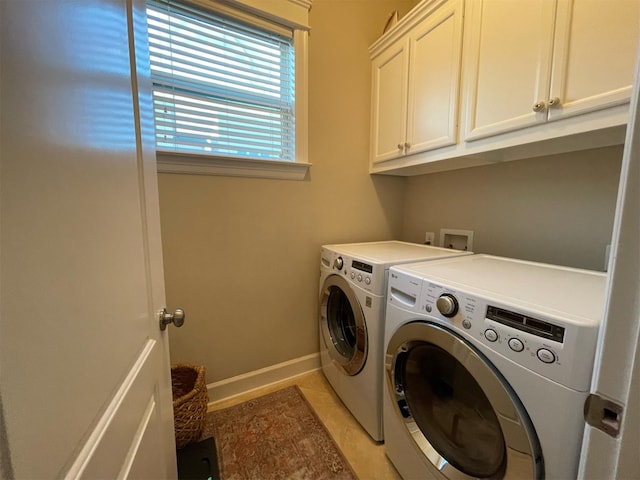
x=546 y=356
x=516 y=344
x=367 y=280
x=491 y=335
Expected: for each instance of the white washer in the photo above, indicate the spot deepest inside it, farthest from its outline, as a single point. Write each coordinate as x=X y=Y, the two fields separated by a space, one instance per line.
x=488 y=363
x=353 y=283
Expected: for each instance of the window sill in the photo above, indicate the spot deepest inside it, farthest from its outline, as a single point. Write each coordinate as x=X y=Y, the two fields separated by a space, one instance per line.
x=194 y=164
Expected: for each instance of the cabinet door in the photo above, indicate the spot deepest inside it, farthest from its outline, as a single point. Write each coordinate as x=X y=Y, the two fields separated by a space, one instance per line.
x=594 y=54
x=434 y=75
x=389 y=102
x=508 y=64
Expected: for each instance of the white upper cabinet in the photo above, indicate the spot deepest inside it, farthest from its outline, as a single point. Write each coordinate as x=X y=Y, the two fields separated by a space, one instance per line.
x=594 y=55
x=434 y=76
x=389 y=105
x=529 y=62
x=527 y=78
x=415 y=82
x=509 y=64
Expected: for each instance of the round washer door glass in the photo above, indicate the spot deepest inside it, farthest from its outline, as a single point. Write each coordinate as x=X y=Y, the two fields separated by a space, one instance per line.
x=342 y=325
x=454 y=405
x=448 y=403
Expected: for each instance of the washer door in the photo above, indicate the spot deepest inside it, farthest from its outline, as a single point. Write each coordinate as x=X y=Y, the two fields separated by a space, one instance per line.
x=459 y=410
x=342 y=325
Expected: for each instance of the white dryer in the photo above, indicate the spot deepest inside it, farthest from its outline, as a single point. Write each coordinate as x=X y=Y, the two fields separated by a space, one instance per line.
x=488 y=363
x=353 y=284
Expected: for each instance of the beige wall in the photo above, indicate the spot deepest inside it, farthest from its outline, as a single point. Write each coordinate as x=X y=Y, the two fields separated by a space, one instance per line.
x=557 y=209
x=242 y=255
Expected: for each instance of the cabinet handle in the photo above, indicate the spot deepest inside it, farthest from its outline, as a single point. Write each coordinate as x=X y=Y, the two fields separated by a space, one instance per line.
x=407 y=145
x=539 y=106
x=400 y=146
x=554 y=102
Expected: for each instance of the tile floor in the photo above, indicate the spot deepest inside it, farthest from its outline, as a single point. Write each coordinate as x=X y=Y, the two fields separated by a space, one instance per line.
x=365 y=455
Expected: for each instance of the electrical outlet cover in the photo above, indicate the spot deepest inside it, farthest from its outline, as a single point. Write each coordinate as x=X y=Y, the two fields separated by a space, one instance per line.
x=429 y=238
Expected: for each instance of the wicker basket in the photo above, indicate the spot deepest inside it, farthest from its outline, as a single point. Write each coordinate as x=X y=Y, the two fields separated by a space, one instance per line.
x=189 y=402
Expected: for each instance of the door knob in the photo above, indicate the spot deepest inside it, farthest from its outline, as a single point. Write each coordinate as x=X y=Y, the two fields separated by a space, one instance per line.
x=177 y=318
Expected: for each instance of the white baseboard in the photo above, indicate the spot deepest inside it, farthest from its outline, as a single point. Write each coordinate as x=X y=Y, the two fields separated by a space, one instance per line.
x=246 y=382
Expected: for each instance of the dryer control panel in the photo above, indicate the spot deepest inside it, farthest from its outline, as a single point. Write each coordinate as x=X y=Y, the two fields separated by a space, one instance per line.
x=526 y=323
x=546 y=344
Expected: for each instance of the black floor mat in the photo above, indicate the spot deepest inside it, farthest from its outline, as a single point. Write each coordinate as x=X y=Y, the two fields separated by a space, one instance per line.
x=198 y=461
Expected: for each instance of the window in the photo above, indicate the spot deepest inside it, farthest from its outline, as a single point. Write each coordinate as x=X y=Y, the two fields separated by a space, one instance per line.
x=224 y=91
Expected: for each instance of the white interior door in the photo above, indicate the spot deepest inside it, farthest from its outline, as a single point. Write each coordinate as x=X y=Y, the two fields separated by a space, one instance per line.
x=617 y=370
x=85 y=388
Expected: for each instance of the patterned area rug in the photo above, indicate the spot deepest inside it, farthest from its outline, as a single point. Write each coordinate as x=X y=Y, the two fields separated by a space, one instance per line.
x=276 y=436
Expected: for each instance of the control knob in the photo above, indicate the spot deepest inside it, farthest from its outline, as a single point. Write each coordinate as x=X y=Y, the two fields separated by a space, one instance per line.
x=447 y=305
x=338 y=263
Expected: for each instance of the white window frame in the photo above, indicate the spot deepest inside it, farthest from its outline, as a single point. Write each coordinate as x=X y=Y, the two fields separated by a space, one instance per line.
x=293 y=14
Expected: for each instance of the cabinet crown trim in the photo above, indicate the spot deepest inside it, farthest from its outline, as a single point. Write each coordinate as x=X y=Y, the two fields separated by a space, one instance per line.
x=413 y=17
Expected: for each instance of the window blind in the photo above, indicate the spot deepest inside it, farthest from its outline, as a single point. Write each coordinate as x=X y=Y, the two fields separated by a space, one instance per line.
x=221 y=86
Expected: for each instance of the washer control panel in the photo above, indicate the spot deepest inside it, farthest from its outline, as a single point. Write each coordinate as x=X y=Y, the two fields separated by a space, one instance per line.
x=370 y=277
x=546 y=344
